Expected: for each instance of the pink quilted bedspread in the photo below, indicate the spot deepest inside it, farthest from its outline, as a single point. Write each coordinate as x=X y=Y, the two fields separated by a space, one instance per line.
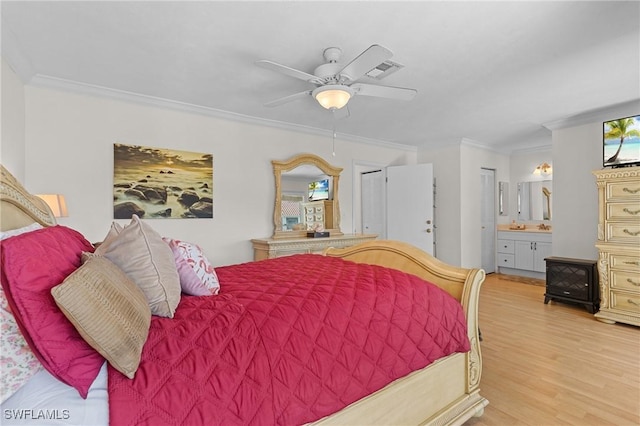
x=287 y=341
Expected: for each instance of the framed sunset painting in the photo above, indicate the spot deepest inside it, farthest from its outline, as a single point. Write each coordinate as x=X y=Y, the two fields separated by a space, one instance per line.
x=161 y=183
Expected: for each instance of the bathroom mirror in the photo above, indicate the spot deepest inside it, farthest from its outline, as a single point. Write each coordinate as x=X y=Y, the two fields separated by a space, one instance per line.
x=503 y=198
x=299 y=180
x=535 y=200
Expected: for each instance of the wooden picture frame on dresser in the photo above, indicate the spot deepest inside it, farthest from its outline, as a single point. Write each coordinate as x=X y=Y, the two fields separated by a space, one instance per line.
x=619 y=244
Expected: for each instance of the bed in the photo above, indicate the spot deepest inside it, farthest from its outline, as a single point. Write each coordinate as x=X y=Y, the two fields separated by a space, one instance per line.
x=227 y=359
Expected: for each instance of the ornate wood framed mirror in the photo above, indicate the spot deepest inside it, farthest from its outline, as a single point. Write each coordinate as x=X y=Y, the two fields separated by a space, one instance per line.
x=306 y=196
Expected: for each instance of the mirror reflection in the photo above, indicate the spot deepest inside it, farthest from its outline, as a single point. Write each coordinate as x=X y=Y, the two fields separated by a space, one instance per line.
x=303 y=189
x=535 y=200
x=306 y=197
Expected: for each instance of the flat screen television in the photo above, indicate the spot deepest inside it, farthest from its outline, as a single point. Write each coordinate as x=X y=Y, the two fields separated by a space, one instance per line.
x=319 y=190
x=621 y=142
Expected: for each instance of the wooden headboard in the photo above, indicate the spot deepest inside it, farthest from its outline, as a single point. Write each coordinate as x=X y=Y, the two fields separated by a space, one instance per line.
x=18 y=208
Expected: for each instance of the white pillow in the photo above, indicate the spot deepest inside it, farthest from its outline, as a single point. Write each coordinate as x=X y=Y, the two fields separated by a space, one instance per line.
x=13 y=232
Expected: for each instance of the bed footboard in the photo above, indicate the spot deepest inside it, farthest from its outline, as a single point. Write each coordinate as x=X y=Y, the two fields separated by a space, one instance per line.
x=464 y=285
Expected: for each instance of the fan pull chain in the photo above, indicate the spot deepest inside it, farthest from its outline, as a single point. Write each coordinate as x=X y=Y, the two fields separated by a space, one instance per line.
x=334 y=143
x=333 y=147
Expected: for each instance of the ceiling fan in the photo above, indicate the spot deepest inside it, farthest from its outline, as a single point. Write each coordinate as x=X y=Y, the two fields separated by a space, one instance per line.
x=337 y=83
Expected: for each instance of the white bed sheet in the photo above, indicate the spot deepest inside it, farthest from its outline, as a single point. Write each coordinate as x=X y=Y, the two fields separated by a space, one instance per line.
x=44 y=400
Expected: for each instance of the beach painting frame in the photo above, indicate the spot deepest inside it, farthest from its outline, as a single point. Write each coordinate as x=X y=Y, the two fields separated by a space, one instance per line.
x=159 y=183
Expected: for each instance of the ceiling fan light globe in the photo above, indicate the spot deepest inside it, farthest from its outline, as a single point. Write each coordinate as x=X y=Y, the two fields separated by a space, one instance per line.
x=332 y=96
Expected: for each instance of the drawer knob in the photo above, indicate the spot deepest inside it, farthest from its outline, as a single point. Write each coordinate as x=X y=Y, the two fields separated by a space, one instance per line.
x=630 y=281
x=633 y=212
x=631 y=191
x=632 y=233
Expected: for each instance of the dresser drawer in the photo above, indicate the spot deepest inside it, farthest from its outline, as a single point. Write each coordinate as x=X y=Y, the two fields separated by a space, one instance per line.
x=625 y=302
x=623 y=232
x=625 y=280
x=506 y=260
x=623 y=211
x=629 y=263
x=623 y=191
x=506 y=246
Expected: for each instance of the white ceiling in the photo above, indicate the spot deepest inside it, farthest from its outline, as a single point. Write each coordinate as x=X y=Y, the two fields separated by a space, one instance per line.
x=492 y=73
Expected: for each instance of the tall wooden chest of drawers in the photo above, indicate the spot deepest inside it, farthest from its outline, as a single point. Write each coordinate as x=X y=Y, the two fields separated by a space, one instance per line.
x=619 y=244
x=318 y=214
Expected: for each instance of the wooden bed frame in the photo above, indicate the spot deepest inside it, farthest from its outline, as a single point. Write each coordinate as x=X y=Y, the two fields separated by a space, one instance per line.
x=444 y=393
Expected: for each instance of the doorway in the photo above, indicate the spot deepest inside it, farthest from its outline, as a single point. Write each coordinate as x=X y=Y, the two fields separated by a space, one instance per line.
x=488 y=219
x=373 y=203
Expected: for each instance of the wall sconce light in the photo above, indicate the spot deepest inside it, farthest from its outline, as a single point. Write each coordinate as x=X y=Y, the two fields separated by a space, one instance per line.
x=543 y=169
x=333 y=96
x=56 y=203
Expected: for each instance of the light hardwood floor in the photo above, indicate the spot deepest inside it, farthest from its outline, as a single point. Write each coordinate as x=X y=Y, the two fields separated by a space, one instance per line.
x=553 y=364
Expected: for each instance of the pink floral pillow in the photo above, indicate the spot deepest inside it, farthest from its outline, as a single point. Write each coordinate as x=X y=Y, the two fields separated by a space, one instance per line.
x=17 y=362
x=197 y=276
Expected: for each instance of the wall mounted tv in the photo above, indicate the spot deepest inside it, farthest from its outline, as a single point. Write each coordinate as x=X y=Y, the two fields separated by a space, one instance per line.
x=319 y=190
x=621 y=142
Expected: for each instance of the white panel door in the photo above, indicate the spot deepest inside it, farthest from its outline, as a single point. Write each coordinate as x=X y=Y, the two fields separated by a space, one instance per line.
x=487 y=220
x=373 y=205
x=410 y=205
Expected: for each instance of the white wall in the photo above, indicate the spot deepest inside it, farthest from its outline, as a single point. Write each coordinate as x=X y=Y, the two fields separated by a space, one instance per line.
x=12 y=154
x=446 y=172
x=473 y=159
x=69 y=150
x=456 y=168
x=577 y=151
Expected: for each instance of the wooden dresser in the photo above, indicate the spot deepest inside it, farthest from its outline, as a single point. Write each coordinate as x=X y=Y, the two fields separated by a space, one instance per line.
x=619 y=244
x=268 y=248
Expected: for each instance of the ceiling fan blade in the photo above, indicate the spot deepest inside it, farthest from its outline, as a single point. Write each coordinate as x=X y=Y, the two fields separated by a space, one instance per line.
x=365 y=62
x=400 y=93
x=289 y=98
x=291 y=72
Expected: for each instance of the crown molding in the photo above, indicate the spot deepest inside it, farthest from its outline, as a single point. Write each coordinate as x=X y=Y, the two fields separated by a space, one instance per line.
x=477 y=144
x=532 y=149
x=49 y=82
x=612 y=112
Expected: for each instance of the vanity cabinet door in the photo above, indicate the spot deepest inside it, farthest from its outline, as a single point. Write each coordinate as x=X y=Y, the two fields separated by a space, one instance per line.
x=530 y=255
x=540 y=252
x=524 y=255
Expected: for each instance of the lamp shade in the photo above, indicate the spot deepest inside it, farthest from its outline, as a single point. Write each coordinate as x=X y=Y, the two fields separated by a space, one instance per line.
x=56 y=203
x=333 y=96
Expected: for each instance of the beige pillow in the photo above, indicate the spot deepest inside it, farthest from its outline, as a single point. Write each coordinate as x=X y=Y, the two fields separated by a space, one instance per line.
x=108 y=310
x=140 y=252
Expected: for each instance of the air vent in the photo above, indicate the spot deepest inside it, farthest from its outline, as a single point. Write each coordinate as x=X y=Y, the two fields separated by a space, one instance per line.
x=384 y=69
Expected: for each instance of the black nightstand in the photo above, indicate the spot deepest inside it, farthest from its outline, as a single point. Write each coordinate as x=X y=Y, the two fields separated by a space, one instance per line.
x=573 y=280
